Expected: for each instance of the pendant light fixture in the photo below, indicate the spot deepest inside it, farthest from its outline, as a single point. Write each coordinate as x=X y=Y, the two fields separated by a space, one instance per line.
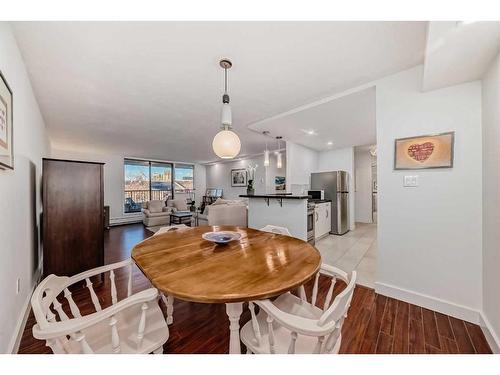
x=266 y=152
x=279 y=162
x=226 y=143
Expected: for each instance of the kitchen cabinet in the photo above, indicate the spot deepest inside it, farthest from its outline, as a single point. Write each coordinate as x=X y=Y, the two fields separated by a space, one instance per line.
x=323 y=219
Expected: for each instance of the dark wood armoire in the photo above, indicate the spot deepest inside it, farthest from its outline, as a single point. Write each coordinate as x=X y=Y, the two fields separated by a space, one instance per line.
x=73 y=216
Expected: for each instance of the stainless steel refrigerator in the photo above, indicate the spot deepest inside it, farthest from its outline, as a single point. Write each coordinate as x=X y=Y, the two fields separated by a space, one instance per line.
x=336 y=187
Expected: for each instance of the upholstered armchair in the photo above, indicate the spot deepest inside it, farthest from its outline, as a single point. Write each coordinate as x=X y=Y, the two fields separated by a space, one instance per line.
x=156 y=213
x=177 y=204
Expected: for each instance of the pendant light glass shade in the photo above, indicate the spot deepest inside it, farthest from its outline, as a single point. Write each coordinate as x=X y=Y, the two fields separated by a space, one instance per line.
x=226 y=144
x=279 y=162
x=266 y=158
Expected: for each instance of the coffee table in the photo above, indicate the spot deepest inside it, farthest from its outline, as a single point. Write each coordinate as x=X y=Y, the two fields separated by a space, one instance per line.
x=181 y=217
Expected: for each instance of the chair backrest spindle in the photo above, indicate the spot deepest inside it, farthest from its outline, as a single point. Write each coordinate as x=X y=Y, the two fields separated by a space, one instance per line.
x=93 y=296
x=255 y=324
x=329 y=295
x=114 y=297
x=270 y=332
x=58 y=307
x=293 y=340
x=72 y=305
x=302 y=293
x=129 y=285
x=115 y=338
x=319 y=344
x=86 y=349
x=142 y=325
x=315 y=290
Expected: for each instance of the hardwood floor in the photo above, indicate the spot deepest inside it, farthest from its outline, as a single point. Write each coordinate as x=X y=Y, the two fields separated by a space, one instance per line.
x=376 y=324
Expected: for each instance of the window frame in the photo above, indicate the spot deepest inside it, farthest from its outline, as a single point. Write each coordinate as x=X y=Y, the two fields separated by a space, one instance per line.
x=150 y=161
x=181 y=165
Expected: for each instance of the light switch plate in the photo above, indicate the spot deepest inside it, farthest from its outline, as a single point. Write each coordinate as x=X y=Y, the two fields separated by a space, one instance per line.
x=410 y=181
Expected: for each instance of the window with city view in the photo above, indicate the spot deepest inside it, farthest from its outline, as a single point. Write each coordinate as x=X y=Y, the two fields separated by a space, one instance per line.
x=184 y=177
x=144 y=181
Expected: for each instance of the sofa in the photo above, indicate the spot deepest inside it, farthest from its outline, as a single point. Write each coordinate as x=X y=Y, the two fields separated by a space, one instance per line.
x=224 y=212
x=156 y=213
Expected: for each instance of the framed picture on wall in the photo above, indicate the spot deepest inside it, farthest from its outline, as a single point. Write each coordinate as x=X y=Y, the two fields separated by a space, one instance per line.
x=6 y=125
x=280 y=183
x=238 y=177
x=423 y=152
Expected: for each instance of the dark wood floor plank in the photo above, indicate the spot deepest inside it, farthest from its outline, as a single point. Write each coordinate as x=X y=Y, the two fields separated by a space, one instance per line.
x=478 y=339
x=372 y=325
x=461 y=336
x=354 y=328
x=384 y=344
x=444 y=327
x=373 y=329
x=429 y=349
x=416 y=344
x=401 y=328
x=389 y=318
x=449 y=345
x=431 y=335
x=415 y=312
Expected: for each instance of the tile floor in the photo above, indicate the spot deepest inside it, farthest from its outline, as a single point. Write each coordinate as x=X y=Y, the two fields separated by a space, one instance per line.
x=355 y=250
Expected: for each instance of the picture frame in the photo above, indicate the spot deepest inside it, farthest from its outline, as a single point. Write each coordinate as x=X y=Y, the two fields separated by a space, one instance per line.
x=239 y=177
x=6 y=125
x=280 y=183
x=424 y=152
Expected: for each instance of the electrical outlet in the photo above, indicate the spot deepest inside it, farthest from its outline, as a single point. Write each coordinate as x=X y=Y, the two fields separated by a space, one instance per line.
x=410 y=181
x=18 y=285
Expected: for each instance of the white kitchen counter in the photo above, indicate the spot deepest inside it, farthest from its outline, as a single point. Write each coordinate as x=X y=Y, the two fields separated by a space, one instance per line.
x=289 y=211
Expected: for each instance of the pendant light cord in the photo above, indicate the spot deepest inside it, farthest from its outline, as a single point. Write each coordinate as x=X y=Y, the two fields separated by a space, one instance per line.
x=225 y=80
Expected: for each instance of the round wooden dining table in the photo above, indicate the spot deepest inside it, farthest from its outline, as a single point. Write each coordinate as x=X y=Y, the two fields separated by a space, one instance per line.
x=260 y=265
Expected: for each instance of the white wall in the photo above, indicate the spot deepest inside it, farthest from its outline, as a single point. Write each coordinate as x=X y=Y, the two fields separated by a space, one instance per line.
x=20 y=203
x=301 y=162
x=430 y=236
x=491 y=198
x=219 y=176
x=114 y=180
x=363 y=186
x=340 y=160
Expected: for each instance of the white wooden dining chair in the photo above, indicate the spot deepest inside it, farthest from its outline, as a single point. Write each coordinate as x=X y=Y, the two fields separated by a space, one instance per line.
x=134 y=324
x=169 y=300
x=276 y=229
x=291 y=324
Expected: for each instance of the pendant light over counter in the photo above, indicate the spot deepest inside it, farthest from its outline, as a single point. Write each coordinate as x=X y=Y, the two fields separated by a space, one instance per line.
x=266 y=152
x=279 y=161
x=226 y=143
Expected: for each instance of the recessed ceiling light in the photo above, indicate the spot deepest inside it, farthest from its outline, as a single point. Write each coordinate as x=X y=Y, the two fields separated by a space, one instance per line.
x=309 y=131
x=465 y=23
x=329 y=143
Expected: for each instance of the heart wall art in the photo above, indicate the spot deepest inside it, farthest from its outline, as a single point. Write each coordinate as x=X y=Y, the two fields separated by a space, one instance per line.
x=427 y=151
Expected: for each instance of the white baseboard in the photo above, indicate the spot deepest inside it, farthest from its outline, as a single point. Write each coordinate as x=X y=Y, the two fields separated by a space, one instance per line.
x=125 y=220
x=490 y=334
x=446 y=307
x=15 y=340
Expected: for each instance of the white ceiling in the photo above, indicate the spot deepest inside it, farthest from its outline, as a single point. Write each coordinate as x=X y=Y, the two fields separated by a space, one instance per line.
x=459 y=52
x=153 y=89
x=346 y=121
